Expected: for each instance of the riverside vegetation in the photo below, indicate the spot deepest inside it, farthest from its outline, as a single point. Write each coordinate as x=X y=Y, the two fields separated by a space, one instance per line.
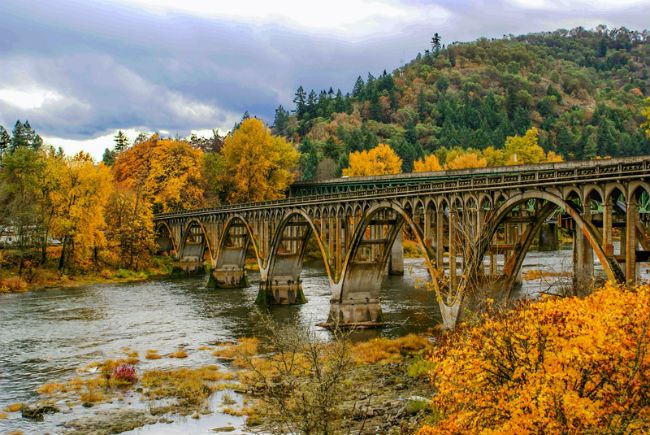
x=566 y=365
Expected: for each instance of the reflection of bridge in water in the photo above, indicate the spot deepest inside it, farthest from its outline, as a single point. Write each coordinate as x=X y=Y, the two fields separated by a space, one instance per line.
x=483 y=221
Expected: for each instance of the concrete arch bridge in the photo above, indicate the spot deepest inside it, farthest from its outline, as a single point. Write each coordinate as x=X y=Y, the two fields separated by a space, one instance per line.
x=473 y=228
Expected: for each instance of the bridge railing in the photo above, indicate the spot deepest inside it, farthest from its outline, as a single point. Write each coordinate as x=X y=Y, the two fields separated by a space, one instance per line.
x=484 y=179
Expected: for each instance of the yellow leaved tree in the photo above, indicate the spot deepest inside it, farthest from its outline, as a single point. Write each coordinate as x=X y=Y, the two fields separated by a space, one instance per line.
x=428 y=164
x=466 y=160
x=257 y=165
x=84 y=188
x=381 y=160
x=167 y=172
x=525 y=150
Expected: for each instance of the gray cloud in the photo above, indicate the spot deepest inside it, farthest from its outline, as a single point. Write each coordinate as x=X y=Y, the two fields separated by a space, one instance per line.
x=108 y=65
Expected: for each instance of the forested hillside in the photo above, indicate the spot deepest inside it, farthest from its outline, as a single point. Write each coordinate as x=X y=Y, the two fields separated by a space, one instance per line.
x=584 y=91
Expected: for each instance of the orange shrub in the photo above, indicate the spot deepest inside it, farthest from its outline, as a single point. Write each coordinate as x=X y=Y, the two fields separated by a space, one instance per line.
x=554 y=366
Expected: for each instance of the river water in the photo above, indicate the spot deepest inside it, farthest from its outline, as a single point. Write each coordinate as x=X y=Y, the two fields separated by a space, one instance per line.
x=45 y=336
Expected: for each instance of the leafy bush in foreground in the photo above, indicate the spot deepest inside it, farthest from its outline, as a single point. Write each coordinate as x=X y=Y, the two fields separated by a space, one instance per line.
x=555 y=366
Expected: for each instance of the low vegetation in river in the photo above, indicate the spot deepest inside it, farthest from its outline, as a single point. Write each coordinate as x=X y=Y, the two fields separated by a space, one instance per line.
x=560 y=365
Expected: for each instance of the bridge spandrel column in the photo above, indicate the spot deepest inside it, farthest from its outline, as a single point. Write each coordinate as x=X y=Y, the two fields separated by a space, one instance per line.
x=396 y=261
x=608 y=241
x=440 y=239
x=632 y=217
x=583 y=259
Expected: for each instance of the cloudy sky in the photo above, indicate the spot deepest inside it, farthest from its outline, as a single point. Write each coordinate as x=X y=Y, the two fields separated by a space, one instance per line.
x=78 y=70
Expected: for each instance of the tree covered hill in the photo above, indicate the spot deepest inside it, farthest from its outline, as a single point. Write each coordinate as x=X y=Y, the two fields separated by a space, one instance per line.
x=583 y=89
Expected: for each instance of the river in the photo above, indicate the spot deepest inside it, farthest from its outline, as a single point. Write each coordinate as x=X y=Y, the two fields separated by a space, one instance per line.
x=48 y=335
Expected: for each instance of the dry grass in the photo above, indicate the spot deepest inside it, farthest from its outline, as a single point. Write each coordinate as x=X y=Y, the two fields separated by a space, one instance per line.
x=191 y=387
x=205 y=347
x=13 y=284
x=152 y=354
x=384 y=350
x=180 y=353
x=3 y=416
x=14 y=407
x=238 y=352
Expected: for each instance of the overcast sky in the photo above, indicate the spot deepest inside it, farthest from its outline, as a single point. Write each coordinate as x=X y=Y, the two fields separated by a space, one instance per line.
x=80 y=70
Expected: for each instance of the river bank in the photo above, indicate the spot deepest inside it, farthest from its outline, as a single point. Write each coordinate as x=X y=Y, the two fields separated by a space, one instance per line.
x=386 y=380
x=38 y=278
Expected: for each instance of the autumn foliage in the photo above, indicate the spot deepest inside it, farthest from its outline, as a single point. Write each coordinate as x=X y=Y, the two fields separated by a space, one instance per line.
x=555 y=366
x=430 y=163
x=381 y=160
x=166 y=171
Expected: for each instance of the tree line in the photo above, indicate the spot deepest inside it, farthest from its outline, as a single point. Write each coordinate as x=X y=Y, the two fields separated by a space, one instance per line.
x=582 y=89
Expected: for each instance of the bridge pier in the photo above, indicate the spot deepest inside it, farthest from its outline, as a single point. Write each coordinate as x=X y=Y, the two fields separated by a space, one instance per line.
x=283 y=286
x=229 y=277
x=360 y=307
x=396 y=259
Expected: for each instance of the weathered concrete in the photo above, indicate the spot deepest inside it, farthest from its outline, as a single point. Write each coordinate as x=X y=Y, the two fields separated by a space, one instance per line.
x=548 y=237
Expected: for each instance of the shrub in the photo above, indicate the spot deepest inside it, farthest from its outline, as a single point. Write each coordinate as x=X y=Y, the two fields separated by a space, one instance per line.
x=125 y=373
x=152 y=354
x=556 y=366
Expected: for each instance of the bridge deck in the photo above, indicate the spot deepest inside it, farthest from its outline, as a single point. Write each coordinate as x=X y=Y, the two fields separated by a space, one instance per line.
x=443 y=182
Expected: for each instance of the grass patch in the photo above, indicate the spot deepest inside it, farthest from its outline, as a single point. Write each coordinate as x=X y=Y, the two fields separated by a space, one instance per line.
x=152 y=354
x=14 y=407
x=384 y=350
x=179 y=354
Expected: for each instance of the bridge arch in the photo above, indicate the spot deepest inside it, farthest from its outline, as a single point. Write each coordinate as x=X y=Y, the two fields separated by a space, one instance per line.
x=355 y=297
x=285 y=261
x=164 y=232
x=230 y=259
x=196 y=223
x=611 y=268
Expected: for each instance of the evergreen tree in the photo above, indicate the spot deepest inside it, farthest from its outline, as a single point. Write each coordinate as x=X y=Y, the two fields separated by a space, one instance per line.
x=339 y=103
x=300 y=100
x=142 y=137
x=422 y=106
x=121 y=141
x=308 y=159
x=19 y=137
x=359 y=88
x=312 y=105
x=435 y=44
x=280 y=121
x=108 y=158
x=5 y=141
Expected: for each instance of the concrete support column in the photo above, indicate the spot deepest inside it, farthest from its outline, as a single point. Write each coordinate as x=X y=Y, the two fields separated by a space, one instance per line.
x=440 y=239
x=583 y=259
x=630 y=241
x=427 y=228
x=608 y=240
x=396 y=259
x=452 y=251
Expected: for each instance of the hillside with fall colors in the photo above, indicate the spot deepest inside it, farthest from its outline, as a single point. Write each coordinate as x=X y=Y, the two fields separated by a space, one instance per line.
x=581 y=91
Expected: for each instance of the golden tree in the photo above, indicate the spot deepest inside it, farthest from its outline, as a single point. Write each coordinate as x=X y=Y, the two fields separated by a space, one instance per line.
x=525 y=150
x=257 y=165
x=381 y=160
x=80 y=201
x=428 y=164
x=129 y=228
x=167 y=172
x=467 y=160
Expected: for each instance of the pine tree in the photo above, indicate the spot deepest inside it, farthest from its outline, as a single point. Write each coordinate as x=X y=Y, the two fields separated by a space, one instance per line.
x=121 y=141
x=280 y=121
x=5 y=141
x=109 y=157
x=435 y=44
x=312 y=105
x=300 y=100
x=142 y=137
x=339 y=103
x=422 y=105
x=358 y=90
